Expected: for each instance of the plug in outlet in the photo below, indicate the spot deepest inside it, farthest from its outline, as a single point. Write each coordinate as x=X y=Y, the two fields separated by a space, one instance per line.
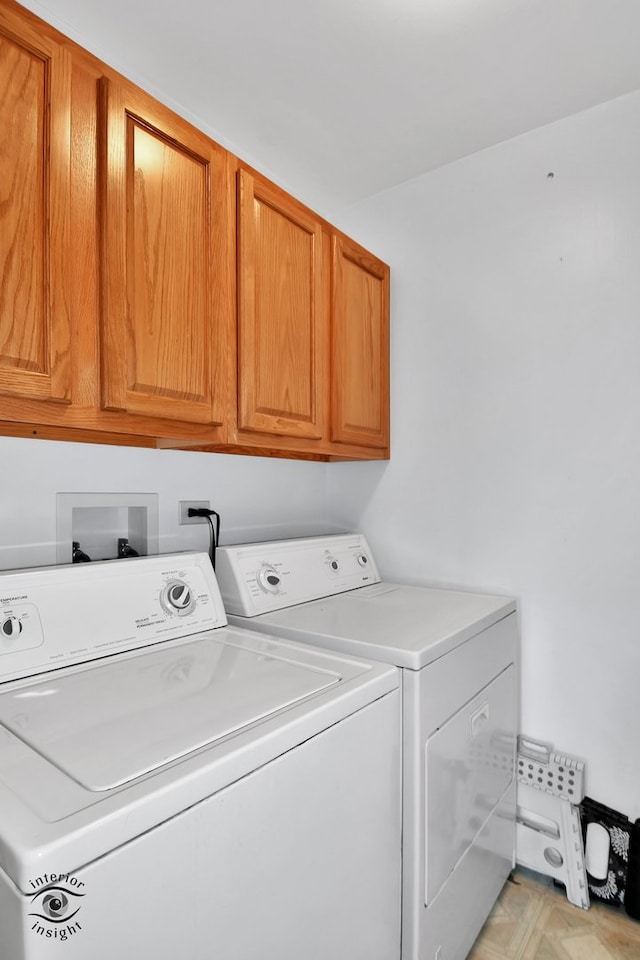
x=185 y=505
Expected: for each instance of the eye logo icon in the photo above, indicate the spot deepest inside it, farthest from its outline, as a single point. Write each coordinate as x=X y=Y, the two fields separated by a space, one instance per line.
x=56 y=902
x=56 y=905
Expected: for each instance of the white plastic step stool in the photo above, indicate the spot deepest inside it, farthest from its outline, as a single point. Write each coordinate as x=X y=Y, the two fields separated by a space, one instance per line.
x=548 y=831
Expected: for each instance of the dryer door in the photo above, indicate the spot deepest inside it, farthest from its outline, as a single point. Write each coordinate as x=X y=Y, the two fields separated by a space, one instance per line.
x=469 y=764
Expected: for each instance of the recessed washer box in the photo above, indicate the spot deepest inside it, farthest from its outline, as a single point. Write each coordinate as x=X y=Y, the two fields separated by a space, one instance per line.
x=97 y=520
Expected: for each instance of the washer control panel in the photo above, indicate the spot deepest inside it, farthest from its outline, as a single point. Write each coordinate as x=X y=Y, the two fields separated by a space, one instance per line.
x=257 y=578
x=58 y=616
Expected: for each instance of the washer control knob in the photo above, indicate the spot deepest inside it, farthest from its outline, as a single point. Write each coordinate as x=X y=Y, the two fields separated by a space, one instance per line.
x=11 y=627
x=363 y=559
x=177 y=599
x=268 y=579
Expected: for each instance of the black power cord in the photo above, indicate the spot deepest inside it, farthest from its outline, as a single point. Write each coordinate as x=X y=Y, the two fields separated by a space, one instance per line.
x=214 y=533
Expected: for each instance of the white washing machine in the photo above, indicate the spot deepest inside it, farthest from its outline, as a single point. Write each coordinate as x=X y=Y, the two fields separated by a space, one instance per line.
x=171 y=786
x=458 y=655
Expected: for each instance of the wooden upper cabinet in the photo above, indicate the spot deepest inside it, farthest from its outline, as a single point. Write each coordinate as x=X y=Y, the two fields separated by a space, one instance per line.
x=167 y=260
x=359 y=347
x=35 y=106
x=282 y=314
x=152 y=285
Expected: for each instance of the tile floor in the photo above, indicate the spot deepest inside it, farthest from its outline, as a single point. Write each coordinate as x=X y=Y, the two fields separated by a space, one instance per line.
x=533 y=920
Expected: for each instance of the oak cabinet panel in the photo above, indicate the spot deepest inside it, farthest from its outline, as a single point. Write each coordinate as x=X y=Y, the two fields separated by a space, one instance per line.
x=282 y=324
x=35 y=100
x=313 y=331
x=167 y=263
x=359 y=347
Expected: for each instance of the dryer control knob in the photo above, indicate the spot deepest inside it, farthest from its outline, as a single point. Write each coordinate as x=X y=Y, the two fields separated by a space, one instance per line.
x=268 y=579
x=177 y=599
x=363 y=559
x=11 y=627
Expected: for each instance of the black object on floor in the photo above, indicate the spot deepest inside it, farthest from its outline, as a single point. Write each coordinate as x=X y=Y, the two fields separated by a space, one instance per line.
x=632 y=892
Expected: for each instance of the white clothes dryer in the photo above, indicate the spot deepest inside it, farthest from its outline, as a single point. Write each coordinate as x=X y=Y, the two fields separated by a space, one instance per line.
x=457 y=652
x=171 y=786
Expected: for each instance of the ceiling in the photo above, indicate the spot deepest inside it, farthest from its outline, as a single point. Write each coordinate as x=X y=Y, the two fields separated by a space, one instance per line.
x=340 y=99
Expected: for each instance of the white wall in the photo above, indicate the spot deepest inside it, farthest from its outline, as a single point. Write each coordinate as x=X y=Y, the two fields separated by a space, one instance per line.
x=516 y=414
x=256 y=497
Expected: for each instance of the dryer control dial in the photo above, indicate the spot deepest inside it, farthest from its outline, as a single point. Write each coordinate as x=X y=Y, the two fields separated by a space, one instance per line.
x=177 y=599
x=11 y=627
x=268 y=578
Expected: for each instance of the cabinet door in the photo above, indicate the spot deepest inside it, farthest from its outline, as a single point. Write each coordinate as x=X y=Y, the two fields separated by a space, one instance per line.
x=282 y=317
x=167 y=263
x=359 y=347
x=35 y=106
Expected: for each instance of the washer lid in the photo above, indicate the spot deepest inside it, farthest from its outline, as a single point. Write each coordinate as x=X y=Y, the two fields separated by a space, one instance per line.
x=110 y=723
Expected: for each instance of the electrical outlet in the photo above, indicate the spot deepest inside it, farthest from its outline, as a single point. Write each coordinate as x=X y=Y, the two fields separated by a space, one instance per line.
x=183 y=508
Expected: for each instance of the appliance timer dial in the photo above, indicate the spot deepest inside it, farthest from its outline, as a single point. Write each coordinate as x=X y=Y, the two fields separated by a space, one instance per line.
x=177 y=599
x=11 y=627
x=268 y=579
